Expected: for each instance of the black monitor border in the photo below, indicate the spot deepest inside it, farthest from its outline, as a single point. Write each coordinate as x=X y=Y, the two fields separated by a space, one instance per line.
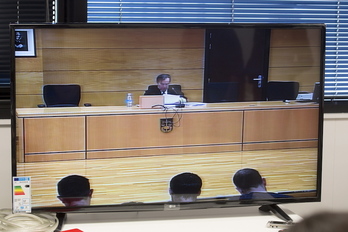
x=162 y=206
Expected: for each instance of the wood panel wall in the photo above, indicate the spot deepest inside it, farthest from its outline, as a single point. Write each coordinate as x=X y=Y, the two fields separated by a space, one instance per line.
x=109 y=63
x=295 y=56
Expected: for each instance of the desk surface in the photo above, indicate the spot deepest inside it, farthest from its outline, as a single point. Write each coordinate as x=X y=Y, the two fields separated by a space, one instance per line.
x=99 y=110
x=233 y=220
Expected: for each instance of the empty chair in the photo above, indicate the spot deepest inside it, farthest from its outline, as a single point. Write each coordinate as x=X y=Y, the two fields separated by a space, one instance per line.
x=282 y=90
x=176 y=89
x=65 y=95
x=316 y=92
x=221 y=92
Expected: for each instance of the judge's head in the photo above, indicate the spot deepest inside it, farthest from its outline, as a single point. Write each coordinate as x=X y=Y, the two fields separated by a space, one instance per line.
x=74 y=190
x=185 y=187
x=163 y=81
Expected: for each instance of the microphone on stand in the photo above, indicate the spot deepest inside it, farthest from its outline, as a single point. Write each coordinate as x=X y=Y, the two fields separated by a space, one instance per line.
x=180 y=104
x=172 y=88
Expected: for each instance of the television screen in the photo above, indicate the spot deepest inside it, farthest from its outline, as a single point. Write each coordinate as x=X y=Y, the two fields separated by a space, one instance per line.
x=91 y=128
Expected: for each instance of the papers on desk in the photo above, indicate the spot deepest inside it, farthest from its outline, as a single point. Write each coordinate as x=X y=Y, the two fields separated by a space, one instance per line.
x=188 y=105
x=171 y=99
x=195 y=104
x=304 y=96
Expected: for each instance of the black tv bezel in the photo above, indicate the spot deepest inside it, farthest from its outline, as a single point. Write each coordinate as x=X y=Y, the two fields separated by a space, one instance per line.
x=219 y=202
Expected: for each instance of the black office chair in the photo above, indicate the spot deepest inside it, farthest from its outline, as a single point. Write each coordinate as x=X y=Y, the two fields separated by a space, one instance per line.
x=171 y=88
x=282 y=90
x=65 y=95
x=221 y=92
x=316 y=92
x=176 y=88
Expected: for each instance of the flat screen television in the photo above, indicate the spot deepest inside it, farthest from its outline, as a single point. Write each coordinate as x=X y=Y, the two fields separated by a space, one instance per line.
x=130 y=154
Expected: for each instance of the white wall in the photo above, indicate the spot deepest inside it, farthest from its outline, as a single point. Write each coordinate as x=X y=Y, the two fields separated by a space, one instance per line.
x=5 y=164
x=335 y=171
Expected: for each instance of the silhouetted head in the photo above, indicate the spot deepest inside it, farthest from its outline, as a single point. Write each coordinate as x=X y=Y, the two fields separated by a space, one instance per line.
x=185 y=187
x=249 y=180
x=74 y=190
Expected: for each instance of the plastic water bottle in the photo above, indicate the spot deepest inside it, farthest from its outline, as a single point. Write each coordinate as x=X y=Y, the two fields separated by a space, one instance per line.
x=129 y=100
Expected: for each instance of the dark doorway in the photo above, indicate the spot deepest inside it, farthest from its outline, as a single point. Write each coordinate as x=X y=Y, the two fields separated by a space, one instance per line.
x=239 y=56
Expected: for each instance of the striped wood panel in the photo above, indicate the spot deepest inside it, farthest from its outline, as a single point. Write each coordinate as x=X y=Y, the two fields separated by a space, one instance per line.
x=162 y=151
x=105 y=61
x=98 y=59
x=279 y=145
x=295 y=57
x=291 y=57
x=54 y=134
x=291 y=124
x=146 y=179
x=307 y=76
x=139 y=131
x=55 y=157
x=101 y=73
x=123 y=38
x=295 y=37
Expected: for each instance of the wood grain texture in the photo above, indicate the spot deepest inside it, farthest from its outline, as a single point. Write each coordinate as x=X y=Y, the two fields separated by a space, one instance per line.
x=121 y=131
x=126 y=59
x=295 y=56
x=146 y=179
x=55 y=156
x=29 y=83
x=189 y=129
x=163 y=151
x=104 y=61
x=121 y=110
x=279 y=145
x=124 y=38
x=108 y=63
x=295 y=37
x=123 y=80
x=102 y=98
x=290 y=124
x=55 y=134
x=29 y=100
x=307 y=76
x=212 y=127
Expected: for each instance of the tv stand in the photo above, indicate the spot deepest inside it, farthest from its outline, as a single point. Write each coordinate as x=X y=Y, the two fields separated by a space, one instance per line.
x=277 y=211
x=61 y=218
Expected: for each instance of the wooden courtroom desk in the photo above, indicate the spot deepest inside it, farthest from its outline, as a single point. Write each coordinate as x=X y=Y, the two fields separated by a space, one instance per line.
x=46 y=134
